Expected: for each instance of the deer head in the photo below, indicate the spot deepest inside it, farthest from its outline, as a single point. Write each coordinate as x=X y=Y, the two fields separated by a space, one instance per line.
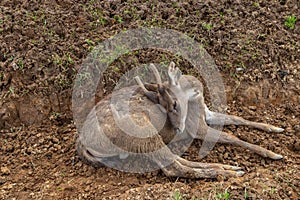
x=171 y=95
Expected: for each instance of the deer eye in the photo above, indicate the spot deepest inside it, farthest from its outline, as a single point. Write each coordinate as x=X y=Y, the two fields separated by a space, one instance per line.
x=175 y=106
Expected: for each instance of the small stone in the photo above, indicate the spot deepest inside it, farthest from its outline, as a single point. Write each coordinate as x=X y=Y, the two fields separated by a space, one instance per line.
x=289 y=130
x=8 y=187
x=5 y=171
x=297 y=146
x=252 y=107
x=226 y=155
x=55 y=140
x=24 y=166
x=9 y=148
x=88 y=188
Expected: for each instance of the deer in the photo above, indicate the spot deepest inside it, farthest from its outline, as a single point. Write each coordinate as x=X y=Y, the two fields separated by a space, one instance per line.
x=179 y=103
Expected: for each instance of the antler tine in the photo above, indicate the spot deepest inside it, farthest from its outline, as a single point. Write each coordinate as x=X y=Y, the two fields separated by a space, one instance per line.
x=156 y=74
x=172 y=64
x=174 y=74
x=178 y=74
x=139 y=82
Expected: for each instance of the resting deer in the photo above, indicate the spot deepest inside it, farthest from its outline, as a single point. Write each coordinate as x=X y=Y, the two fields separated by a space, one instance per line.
x=181 y=99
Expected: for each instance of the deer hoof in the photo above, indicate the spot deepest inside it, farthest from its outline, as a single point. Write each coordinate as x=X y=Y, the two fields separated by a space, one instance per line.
x=277 y=157
x=277 y=130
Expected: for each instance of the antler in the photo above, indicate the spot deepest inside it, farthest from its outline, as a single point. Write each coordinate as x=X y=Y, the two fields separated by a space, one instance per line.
x=155 y=89
x=139 y=82
x=164 y=95
x=156 y=74
x=149 y=94
x=151 y=87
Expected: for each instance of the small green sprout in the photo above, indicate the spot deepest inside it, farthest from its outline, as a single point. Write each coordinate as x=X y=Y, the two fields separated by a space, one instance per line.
x=118 y=18
x=207 y=26
x=290 y=21
x=177 y=195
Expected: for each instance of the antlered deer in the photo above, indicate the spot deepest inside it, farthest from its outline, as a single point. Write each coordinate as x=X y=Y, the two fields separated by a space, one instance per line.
x=181 y=99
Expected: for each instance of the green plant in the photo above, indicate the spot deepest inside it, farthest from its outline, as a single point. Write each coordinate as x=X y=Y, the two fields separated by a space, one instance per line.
x=177 y=195
x=116 y=69
x=63 y=173
x=11 y=58
x=246 y=196
x=44 y=20
x=98 y=16
x=62 y=81
x=102 y=21
x=207 y=26
x=242 y=65
x=56 y=59
x=272 y=191
x=256 y=4
x=290 y=21
x=54 y=115
x=50 y=32
x=20 y=63
x=118 y=18
x=12 y=90
x=224 y=195
x=222 y=14
x=69 y=58
x=89 y=41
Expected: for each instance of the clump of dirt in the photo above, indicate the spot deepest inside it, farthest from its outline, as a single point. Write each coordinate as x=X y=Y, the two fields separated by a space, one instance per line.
x=43 y=44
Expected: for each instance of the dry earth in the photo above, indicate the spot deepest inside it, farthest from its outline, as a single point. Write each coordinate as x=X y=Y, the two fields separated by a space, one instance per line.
x=43 y=44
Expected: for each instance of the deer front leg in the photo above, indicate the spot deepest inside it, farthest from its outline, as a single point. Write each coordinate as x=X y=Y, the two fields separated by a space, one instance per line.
x=215 y=118
x=187 y=169
x=227 y=138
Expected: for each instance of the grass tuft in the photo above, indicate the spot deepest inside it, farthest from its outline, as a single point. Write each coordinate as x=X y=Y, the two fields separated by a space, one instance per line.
x=290 y=21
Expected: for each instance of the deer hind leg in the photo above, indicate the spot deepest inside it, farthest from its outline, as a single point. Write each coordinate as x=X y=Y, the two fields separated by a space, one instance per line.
x=207 y=165
x=227 y=138
x=187 y=169
x=214 y=118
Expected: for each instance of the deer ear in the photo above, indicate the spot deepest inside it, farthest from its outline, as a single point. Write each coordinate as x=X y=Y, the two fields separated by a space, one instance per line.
x=161 y=90
x=152 y=96
x=151 y=87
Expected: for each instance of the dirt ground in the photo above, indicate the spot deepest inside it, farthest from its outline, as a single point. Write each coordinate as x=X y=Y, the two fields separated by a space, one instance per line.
x=43 y=44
